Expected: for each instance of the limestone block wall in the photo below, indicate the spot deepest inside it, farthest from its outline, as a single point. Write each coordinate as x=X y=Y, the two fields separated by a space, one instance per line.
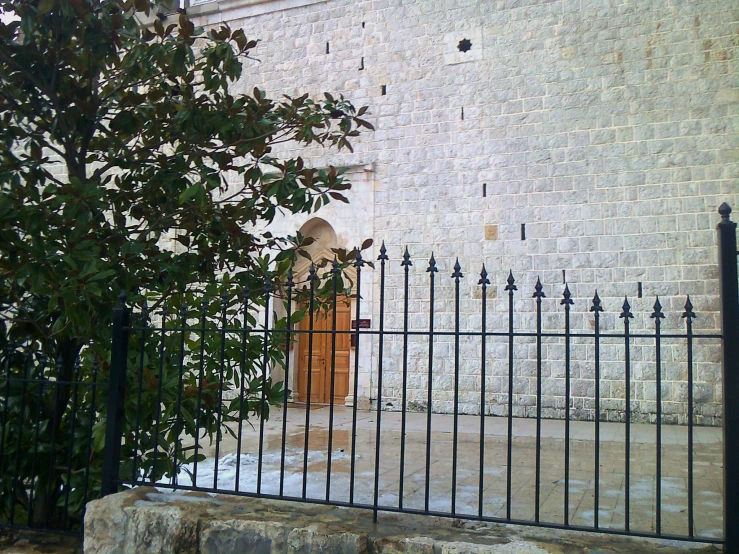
x=609 y=128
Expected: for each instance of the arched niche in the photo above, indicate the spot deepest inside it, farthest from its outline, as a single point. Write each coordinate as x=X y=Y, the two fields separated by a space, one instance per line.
x=325 y=239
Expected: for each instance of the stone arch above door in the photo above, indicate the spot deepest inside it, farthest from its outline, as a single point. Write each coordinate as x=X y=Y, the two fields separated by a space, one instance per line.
x=325 y=240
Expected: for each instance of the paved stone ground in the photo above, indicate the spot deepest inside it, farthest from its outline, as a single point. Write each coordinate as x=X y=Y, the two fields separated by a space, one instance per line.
x=27 y=542
x=708 y=495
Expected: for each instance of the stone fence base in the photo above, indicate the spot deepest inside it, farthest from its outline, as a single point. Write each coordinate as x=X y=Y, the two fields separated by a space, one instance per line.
x=144 y=520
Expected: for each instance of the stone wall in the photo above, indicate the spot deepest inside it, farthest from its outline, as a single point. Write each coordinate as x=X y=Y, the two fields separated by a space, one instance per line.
x=142 y=521
x=609 y=128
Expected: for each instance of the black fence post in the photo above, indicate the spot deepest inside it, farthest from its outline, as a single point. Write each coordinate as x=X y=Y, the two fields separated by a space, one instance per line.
x=727 y=261
x=116 y=393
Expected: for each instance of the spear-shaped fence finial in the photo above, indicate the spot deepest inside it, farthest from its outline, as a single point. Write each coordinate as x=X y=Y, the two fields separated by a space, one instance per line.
x=596 y=307
x=511 y=286
x=383 y=252
x=483 y=277
x=406 y=259
x=457 y=271
x=626 y=310
x=657 y=313
x=567 y=297
x=358 y=261
x=539 y=290
x=689 y=313
x=432 y=265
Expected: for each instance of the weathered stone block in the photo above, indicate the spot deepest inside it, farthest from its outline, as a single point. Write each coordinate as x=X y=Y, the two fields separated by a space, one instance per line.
x=258 y=537
x=309 y=540
x=116 y=525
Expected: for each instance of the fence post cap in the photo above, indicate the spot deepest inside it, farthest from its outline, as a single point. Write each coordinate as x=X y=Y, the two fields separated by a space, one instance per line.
x=724 y=209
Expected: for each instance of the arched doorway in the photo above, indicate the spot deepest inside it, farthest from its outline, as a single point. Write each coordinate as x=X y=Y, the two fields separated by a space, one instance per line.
x=328 y=356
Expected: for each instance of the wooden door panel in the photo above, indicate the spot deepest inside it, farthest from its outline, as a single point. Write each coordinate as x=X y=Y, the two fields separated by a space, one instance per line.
x=341 y=378
x=321 y=359
x=316 y=382
x=317 y=360
x=316 y=363
x=343 y=352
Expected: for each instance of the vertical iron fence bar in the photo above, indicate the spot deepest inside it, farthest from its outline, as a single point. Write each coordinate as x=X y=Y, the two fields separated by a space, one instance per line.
x=221 y=365
x=689 y=315
x=37 y=421
x=596 y=308
x=265 y=361
x=93 y=394
x=16 y=470
x=158 y=408
x=405 y=264
x=510 y=287
x=312 y=278
x=116 y=398
x=290 y=284
x=242 y=380
x=199 y=402
x=538 y=294
x=335 y=272
x=52 y=485
x=567 y=302
x=457 y=275
x=9 y=352
x=626 y=315
x=431 y=270
x=657 y=315
x=35 y=451
x=180 y=377
x=139 y=392
x=730 y=354
x=358 y=264
x=70 y=444
x=484 y=281
x=382 y=258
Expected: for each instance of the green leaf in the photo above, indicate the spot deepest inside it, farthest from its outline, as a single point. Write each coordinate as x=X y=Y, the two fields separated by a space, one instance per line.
x=339 y=196
x=189 y=192
x=45 y=6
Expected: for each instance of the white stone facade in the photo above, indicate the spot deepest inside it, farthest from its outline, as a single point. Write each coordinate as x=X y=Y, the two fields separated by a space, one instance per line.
x=610 y=128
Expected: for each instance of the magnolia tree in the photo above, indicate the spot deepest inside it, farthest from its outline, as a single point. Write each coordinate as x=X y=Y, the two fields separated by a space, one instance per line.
x=115 y=136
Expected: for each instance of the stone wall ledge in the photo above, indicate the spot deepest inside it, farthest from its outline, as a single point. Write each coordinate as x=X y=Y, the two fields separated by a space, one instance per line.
x=145 y=520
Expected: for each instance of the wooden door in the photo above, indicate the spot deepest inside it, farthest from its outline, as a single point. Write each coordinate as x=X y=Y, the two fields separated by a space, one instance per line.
x=320 y=359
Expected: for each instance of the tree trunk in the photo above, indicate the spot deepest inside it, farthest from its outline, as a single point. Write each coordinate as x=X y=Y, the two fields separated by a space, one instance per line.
x=45 y=502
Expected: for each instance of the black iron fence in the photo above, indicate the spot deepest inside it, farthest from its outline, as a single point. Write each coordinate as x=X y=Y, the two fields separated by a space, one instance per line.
x=186 y=379
x=49 y=426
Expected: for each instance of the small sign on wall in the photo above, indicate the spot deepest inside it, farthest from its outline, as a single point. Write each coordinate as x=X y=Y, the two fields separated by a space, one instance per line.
x=359 y=324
